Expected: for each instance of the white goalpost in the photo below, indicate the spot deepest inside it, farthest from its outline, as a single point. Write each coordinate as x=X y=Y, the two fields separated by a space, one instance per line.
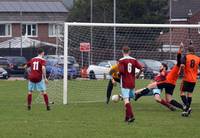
x=147 y=41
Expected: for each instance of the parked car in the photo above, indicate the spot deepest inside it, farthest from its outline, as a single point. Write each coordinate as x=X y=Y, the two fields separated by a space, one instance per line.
x=71 y=60
x=151 y=67
x=16 y=64
x=170 y=63
x=101 y=70
x=3 y=74
x=4 y=63
x=55 y=69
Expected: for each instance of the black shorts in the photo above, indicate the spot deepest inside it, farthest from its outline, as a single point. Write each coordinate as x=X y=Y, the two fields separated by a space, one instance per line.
x=169 y=88
x=187 y=86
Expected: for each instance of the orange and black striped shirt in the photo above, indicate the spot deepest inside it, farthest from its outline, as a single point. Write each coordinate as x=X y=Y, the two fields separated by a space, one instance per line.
x=191 y=63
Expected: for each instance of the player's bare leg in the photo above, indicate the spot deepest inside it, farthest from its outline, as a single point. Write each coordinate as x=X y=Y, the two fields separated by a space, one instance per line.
x=46 y=100
x=129 y=117
x=29 y=100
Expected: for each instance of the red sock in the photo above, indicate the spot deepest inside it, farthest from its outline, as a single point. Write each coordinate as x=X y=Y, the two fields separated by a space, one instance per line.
x=163 y=102
x=29 y=99
x=129 y=112
x=46 y=99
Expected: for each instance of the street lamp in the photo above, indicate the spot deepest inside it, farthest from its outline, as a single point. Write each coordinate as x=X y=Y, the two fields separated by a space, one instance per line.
x=189 y=16
x=90 y=56
x=114 y=32
x=170 y=29
x=21 y=52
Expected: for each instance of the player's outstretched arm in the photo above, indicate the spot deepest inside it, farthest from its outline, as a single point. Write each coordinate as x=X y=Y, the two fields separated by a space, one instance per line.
x=139 y=73
x=179 y=55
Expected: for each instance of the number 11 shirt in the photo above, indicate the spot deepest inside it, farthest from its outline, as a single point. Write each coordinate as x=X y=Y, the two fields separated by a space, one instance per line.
x=35 y=64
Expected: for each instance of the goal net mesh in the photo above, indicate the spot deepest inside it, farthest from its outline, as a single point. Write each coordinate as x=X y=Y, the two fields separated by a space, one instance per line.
x=150 y=45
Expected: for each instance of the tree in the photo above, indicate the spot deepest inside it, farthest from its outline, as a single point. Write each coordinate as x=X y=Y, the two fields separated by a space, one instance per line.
x=129 y=11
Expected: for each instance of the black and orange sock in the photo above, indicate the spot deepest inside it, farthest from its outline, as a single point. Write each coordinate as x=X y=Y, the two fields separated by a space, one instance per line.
x=176 y=104
x=184 y=99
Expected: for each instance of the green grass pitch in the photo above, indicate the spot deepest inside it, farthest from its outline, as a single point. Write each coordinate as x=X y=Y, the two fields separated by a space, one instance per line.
x=80 y=119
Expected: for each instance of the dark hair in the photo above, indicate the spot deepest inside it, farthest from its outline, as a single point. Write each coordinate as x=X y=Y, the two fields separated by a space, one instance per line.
x=40 y=50
x=165 y=66
x=125 y=49
x=191 y=49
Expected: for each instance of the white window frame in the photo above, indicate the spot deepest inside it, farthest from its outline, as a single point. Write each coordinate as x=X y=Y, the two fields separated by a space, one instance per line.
x=8 y=34
x=36 y=35
x=54 y=26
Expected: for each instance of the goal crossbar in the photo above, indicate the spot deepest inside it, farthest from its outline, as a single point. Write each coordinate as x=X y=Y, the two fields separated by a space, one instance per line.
x=133 y=25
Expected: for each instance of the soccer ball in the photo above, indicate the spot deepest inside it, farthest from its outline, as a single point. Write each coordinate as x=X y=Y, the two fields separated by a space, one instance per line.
x=115 y=98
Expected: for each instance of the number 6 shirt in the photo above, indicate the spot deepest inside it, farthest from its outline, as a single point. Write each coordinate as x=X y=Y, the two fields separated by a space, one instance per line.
x=127 y=67
x=35 y=65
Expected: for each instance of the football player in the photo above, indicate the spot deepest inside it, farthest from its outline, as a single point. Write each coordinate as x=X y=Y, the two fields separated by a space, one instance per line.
x=168 y=84
x=127 y=66
x=191 y=64
x=37 y=78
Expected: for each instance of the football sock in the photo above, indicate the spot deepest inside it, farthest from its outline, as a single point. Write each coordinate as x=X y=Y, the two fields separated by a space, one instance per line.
x=29 y=99
x=163 y=102
x=145 y=91
x=189 y=101
x=46 y=99
x=142 y=93
x=184 y=99
x=176 y=104
x=129 y=112
x=109 y=90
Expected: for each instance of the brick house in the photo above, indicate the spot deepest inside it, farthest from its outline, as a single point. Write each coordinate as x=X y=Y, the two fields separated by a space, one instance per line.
x=184 y=12
x=36 y=19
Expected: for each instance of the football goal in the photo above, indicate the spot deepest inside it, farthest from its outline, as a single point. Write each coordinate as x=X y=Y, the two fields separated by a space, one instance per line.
x=97 y=46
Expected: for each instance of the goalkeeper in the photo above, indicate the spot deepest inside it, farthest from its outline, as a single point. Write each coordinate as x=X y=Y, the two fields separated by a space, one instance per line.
x=114 y=73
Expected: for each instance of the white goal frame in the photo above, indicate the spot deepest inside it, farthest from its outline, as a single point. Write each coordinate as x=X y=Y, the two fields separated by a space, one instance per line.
x=67 y=24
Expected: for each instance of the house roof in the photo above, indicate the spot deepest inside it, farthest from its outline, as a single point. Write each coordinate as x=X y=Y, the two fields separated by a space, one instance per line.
x=26 y=43
x=32 y=17
x=34 y=6
x=181 y=8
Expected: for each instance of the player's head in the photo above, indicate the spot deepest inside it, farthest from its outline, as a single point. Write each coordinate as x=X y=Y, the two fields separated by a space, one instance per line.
x=163 y=67
x=191 y=49
x=40 y=52
x=126 y=50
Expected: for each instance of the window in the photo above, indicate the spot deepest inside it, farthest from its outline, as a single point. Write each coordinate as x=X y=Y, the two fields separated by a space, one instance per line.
x=5 y=30
x=55 y=30
x=29 y=29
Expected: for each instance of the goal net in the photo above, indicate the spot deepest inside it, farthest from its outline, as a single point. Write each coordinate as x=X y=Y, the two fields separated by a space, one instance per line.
x=97 y=46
